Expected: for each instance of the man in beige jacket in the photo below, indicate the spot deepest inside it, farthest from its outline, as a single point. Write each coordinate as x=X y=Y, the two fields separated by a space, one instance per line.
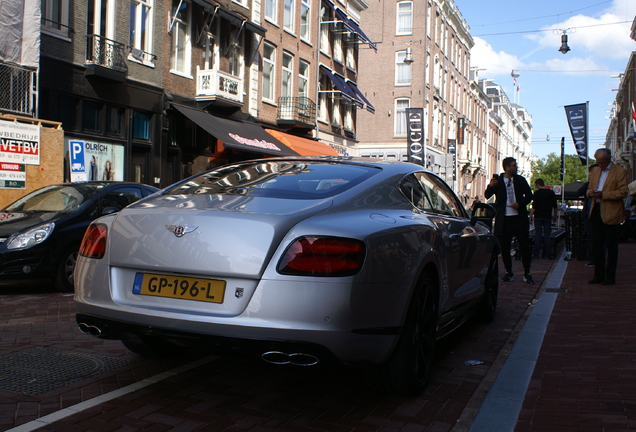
x=607 y=190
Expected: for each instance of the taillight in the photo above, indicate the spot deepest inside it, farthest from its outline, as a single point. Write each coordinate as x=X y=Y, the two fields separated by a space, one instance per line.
x=322 y=256
x=94 y=241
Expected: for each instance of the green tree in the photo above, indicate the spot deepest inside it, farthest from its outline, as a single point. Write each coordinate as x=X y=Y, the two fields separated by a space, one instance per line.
x=549 y=169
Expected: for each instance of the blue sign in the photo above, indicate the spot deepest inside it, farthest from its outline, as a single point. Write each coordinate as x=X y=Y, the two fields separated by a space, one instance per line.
x=78 y=163
x=77 y=156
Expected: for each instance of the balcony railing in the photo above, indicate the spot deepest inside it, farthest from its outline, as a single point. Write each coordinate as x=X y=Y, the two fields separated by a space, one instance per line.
x=107 y=53
x=299 y=111
x=214 y=84
x=17 y=90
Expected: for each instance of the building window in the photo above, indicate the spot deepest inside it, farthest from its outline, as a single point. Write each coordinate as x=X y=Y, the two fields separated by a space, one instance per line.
x=269 y=63
x=428 y=19
x=348 y=117
x=180 y=55
x=288 y=14
x=324 y=30
x=336 y=114
x=402 y=70
x=91 y=116
x=303 y=79
x=288 y=68
x=141 y=25
x=141 y=126
x=400 y=116
x=270 y=10
x=323 y=91
x=404 y=23
x=235 y=51
x=209 y=52
x=55 y=16
x=351 y=50
x=337 y=46
x=114 y=121
x=305 y=17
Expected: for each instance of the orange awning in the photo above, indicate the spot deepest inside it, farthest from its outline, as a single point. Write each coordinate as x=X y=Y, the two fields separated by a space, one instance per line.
x=303 y=146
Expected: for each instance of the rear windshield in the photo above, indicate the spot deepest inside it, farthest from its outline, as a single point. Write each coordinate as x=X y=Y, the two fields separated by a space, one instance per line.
x=277 y=179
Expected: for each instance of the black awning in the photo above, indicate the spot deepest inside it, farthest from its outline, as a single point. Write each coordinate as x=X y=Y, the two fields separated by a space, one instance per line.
x=240 y=135
x=351 y=26
x=233 y=17
x=357 y=91
x=238 y=20
x=340 y=84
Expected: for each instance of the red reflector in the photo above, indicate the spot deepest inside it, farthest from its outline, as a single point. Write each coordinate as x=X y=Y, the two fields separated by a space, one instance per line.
x=323 y=256
x=94 y=241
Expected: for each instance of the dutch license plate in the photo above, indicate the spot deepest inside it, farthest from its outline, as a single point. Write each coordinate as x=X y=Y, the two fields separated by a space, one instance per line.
x=180 y=287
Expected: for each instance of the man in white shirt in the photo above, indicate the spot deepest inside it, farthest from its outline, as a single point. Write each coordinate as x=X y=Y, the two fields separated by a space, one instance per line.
x=513 y=194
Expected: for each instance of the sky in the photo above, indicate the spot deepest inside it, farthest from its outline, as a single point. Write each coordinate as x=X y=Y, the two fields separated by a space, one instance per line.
x=526 y=37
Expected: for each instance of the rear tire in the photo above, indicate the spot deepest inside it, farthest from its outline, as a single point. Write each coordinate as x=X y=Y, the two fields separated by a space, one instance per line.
x=408 y=370
x=64 y=280
x=487 y=307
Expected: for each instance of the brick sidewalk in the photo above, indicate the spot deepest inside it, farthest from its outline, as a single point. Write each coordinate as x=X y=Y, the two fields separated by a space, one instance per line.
x=237 y=393
x=585 y=377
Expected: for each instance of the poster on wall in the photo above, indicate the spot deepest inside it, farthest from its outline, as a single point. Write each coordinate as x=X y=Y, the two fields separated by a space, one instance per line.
x=19 y=143
x=12 y=175
x=95 y=161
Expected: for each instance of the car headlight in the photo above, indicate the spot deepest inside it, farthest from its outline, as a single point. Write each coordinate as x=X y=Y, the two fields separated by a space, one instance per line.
x=31 y=237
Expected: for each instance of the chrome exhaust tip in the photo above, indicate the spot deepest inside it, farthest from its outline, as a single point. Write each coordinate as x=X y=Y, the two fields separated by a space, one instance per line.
x=90 y=329
x=296 y=359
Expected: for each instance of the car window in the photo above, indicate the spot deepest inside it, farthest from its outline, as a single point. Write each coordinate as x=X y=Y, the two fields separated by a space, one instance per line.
x=430 y=194
x=277 y=179
x=121 y=197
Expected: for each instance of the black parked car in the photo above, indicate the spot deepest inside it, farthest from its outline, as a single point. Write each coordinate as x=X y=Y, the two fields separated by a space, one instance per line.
x=41 y=232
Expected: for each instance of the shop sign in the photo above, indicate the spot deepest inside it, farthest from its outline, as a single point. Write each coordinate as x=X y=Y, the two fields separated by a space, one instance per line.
x=95 y=161
x=19 y=143
x=12 y=175
x=416 y=149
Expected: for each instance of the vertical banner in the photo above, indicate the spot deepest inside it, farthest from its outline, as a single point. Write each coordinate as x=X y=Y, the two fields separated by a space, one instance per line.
x=452 y=149
x=577 y=120
x=461 y=126
x=562 y=170
x=415 y=135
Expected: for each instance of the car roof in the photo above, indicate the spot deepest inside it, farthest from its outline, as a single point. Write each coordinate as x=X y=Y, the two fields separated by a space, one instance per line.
x=385 y=164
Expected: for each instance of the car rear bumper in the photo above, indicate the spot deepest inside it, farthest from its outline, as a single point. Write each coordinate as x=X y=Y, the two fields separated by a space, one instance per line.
x=348 y=347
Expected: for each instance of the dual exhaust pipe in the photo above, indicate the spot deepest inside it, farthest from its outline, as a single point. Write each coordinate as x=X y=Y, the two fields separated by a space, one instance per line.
x=296 y=359
x=92 y=329
x=273 y=357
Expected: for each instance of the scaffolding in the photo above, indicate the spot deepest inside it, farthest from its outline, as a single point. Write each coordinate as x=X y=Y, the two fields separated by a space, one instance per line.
x=18 y=90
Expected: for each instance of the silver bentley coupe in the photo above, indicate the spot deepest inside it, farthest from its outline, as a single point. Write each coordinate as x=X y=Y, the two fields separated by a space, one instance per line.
x=297 y=259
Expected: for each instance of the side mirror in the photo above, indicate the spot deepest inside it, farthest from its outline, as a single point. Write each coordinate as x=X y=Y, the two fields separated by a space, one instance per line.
x=483 y=212
x=109 y=210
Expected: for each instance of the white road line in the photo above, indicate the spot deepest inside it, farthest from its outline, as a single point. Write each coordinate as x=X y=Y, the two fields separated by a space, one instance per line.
x=66 y=412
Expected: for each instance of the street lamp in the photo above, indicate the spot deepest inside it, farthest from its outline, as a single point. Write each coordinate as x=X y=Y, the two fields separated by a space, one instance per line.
x=408 y=58
x=564 y=41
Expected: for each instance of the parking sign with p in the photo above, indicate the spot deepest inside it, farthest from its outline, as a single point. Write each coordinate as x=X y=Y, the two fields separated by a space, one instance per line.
x=78 y=165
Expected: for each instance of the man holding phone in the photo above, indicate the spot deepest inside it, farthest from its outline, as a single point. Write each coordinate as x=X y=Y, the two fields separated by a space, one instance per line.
x=607 y=190
x=513 y=194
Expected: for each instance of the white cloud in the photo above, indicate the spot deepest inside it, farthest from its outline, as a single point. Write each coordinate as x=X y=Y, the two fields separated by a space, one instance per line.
x=571 y=65
x=483 y=56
